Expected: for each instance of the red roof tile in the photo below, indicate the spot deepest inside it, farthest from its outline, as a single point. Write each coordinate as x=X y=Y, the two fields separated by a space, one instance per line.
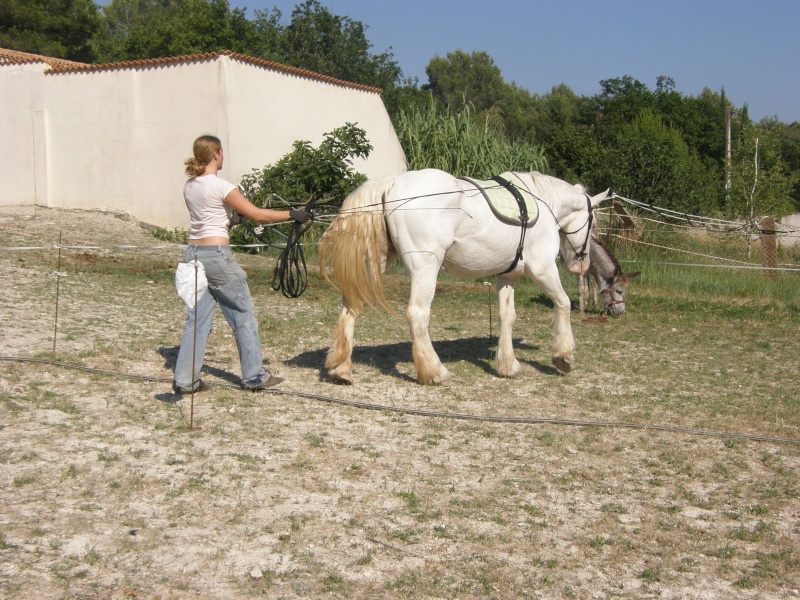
x=17 y=57
x=58 y=65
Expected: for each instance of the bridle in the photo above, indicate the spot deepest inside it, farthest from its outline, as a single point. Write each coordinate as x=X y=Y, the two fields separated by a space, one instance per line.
x=608 y=294
x=583 y=252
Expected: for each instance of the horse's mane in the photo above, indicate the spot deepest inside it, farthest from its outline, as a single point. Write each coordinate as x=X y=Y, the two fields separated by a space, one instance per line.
x=547 y=186
x=611 y=257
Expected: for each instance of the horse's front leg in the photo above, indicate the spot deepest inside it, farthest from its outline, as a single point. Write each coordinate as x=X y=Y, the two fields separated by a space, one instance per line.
x=424 y=271
x=507 y=364
x=339 y=359
x=549 y=282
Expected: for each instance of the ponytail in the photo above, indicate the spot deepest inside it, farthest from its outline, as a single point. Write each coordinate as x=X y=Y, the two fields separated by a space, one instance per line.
x=204 y=149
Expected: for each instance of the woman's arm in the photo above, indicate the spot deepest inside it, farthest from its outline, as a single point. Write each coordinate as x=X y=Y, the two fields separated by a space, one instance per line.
x=244 y=207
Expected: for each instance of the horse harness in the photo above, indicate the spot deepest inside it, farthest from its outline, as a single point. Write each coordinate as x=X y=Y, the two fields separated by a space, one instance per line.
x=523 y=219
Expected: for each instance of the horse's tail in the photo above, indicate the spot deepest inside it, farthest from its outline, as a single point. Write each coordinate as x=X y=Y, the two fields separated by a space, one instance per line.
x=354 y=249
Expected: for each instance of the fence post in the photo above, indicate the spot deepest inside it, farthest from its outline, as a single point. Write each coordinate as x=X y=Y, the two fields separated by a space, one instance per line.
x=769 y=244
x=610 y=223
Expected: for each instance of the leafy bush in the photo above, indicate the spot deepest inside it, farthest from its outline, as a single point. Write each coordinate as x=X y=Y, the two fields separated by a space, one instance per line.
x=324 y=174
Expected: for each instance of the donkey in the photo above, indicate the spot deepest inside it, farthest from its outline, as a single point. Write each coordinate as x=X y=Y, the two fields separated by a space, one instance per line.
x=605 y=275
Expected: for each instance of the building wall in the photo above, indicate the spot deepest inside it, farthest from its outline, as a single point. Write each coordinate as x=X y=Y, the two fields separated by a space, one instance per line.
x=21 y=111
x=116 y=139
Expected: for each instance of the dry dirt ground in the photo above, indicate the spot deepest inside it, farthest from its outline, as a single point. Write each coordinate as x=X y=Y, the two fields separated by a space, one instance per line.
x=107 y=492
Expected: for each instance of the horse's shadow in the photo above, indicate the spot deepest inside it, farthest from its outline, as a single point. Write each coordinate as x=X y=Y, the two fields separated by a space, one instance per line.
x=478 y=351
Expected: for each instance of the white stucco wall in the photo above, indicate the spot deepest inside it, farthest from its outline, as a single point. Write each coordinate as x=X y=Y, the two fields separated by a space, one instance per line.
x=20 y=113
x=116 y=139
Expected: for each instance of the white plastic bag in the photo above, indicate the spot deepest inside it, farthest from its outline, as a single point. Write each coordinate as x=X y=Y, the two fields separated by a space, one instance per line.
x=185 y=281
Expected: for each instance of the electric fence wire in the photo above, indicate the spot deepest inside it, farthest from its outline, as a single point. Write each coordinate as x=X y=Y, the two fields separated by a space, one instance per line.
x=710 y=224
x=418 y=412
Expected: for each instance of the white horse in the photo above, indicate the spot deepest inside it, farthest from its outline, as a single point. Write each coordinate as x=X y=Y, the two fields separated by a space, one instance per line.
x=435 y=222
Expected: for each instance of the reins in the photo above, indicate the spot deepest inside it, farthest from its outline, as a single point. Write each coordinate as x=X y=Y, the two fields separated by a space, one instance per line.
x=291 y=275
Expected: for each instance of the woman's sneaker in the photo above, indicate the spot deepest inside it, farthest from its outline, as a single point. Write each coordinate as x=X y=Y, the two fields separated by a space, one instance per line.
x=271 y=382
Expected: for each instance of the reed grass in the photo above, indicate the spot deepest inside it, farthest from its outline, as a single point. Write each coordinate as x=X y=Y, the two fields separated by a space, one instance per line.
x=463 y=143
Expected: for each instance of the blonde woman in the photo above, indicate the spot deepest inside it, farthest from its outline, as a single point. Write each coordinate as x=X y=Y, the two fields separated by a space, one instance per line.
x=211 y=201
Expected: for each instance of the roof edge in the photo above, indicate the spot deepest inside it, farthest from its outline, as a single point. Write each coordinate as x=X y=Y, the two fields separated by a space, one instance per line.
x=16 y=57
x=58 y=66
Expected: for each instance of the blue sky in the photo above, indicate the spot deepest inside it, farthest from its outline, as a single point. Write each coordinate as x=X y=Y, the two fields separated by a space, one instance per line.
x=749 y=48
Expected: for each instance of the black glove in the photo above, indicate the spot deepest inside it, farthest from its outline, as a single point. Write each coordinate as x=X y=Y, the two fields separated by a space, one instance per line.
x=235 y=219
x=300 y=215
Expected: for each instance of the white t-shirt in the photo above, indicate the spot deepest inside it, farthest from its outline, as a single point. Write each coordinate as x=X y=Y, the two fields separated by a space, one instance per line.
x=205 y=199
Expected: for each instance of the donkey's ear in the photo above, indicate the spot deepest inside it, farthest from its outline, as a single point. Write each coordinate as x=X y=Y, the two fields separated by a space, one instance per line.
x=595 y=200
x=632 y=275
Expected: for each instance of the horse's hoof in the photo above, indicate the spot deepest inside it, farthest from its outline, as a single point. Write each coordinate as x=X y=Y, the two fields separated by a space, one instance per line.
x=562 y=364
x=340 y=379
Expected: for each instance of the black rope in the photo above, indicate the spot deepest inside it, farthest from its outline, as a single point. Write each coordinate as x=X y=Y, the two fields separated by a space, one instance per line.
x=291 y=274
x=438 y=414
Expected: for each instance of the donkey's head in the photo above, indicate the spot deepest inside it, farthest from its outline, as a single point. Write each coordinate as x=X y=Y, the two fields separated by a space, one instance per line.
x=613 y=289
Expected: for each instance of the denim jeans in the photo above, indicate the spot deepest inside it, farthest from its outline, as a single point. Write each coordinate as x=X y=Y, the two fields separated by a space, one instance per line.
x=227 y=286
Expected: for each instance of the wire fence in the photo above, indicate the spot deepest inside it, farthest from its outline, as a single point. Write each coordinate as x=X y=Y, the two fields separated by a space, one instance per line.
x=648 y=234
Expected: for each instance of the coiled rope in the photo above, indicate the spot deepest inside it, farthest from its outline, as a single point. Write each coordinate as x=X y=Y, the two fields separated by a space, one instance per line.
x=291 y=275
x=437 y=414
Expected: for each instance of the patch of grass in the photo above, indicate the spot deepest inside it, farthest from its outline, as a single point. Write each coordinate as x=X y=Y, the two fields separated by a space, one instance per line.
x=651 y=574
x=412 y=502
x=315 y=441
x=23 y=480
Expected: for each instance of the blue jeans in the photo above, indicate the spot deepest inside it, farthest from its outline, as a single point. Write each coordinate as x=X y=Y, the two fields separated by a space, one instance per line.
x=227 y=286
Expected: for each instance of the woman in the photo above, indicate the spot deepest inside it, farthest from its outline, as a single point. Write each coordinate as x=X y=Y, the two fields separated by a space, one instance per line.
x=211 y=201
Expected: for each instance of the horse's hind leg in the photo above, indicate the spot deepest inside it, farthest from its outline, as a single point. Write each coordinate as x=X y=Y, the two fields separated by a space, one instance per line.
x=339 y=359
x=507 y=364
x=430 y=370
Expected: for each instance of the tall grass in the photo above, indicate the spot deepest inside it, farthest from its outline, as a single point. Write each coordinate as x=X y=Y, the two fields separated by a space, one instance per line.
x=464 y=143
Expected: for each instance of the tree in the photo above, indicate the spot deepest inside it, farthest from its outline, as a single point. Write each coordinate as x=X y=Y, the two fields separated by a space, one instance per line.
x=463 y=78
x=788 y=139
x=139 y=29
x=761 y=181
x=651 y=162
x=336 y=46
x=315 y=39
x=620 y=101
x=57 y=28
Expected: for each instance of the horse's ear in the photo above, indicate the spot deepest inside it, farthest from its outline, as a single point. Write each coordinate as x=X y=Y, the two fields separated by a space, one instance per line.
x=595 y=200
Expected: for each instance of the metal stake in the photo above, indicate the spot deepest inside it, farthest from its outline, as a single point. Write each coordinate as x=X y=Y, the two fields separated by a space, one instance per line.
x=58 y=285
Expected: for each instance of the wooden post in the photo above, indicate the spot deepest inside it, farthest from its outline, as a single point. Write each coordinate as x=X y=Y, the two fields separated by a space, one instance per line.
x=769 y=244
x=610 y=223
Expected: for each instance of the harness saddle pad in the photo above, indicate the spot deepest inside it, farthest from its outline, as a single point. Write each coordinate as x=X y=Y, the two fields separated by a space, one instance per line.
x=502 y=201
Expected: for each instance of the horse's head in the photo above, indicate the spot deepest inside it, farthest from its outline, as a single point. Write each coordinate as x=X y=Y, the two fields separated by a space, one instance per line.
x=575 y=224
x=612 y=291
